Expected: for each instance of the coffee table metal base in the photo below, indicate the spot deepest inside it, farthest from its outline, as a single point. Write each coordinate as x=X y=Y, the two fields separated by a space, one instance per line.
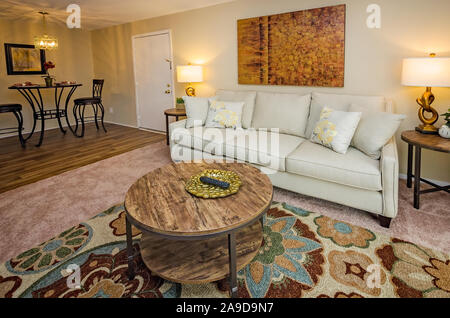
x=201 y=260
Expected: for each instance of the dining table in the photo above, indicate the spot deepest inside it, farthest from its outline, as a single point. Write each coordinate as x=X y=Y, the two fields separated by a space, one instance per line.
x=33 y=95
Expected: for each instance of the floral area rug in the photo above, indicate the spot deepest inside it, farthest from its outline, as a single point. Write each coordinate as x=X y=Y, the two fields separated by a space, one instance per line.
x=303 y=254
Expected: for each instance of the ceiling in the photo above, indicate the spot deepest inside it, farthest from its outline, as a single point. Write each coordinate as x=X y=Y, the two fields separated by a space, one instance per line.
x=97 y=14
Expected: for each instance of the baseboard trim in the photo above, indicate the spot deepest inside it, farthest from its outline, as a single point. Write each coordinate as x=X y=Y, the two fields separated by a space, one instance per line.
x=120 y=124
x=65 y=126
x=9 y=135
x=438 y=182
x=154 y=131
x=36 y=131
x=131 y=126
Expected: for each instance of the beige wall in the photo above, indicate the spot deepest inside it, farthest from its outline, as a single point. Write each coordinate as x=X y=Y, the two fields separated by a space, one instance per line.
x=373 y=56
x=73 y=60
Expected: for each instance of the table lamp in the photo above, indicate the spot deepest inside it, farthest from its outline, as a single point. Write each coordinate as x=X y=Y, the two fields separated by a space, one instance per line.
x=190 y=74
x=426 y=72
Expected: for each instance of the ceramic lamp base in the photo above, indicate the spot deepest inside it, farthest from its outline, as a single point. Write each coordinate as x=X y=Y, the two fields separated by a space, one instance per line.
x=190 y=91
x=425 y=102
x=427 y=129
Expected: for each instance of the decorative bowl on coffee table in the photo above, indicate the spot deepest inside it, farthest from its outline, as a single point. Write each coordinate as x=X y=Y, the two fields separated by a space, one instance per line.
x=208 y=191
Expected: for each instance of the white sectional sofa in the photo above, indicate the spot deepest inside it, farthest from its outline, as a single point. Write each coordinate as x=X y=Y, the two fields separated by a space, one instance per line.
x=353 y=179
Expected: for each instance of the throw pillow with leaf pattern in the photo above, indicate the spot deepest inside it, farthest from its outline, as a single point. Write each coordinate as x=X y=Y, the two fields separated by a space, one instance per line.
x=224 y=114
x=335 y=129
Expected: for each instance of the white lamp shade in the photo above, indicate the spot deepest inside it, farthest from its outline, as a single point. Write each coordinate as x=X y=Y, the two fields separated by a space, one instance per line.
x=426 y=72
x=189 y=73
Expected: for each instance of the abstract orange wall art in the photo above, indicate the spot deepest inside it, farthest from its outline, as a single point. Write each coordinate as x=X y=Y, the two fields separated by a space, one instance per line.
x=303 y=48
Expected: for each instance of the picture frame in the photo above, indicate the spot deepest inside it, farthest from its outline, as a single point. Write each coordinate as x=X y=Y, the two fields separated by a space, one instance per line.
x=24 y=59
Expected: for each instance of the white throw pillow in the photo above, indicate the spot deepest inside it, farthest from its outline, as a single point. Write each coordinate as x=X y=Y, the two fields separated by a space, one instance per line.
x=224 y=114
x=196 y=110
x=248 y=97
x=335 y=129
x=374 y=130
x=342 y=103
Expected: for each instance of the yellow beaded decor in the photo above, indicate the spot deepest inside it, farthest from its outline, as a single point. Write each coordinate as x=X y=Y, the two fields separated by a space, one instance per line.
x=207 y=191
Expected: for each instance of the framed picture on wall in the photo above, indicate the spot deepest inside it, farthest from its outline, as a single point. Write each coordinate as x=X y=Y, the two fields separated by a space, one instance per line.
x=22 y=59
x=302 y=48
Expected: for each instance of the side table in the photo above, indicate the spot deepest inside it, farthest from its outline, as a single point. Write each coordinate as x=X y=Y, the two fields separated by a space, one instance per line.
x=431 y=142
x=174 y=112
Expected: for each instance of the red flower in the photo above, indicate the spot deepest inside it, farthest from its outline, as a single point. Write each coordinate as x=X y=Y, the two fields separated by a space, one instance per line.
x=48 y=65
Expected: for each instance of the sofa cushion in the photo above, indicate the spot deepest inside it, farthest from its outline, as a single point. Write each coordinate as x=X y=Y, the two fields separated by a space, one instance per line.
x=353 y=168
x=196 y=110
x=288 y=112
x=262 y=148
x=248 y=97
x=342 y=103
x=210 y=140
x=374 y=130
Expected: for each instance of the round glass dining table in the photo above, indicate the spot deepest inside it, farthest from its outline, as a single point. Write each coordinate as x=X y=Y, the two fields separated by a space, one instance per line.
x=32 y=94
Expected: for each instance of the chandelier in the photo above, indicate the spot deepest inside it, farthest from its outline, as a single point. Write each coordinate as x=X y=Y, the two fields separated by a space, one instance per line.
x=45 y=42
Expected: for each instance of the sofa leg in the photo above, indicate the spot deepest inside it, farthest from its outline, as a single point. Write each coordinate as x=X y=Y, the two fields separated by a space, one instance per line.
x=384 y=221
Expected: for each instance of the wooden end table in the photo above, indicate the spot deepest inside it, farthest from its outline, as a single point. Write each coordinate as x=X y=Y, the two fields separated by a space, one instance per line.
x=174 y=112
x=431 y=142
x=186 y=239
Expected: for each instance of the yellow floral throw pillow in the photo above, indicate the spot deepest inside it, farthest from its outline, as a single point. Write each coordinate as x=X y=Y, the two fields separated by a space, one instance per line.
x=335 y=129
x=224 y=114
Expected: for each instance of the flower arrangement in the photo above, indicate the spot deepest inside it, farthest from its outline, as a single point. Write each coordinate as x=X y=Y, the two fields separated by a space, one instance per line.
x=447 y=117
x=48 y=78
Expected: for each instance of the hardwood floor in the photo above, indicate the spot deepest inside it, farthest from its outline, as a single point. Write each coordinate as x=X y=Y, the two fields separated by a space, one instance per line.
x=60 y=153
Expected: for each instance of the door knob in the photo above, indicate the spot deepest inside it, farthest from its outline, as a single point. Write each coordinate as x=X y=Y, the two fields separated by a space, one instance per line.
x=167 y=91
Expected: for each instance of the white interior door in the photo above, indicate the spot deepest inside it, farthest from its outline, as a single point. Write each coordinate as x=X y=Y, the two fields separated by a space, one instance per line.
x=153 y=79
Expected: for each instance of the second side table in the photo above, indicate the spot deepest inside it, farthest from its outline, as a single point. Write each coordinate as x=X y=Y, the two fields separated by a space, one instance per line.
x=174 y=112
x=431 y=142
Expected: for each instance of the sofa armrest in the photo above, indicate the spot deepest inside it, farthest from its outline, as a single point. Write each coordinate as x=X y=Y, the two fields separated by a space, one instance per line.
x=174 y=125
x=389 y=178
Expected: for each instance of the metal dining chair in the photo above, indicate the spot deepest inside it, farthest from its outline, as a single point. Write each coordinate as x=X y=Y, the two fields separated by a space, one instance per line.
x=16 y=109
x=95 y=101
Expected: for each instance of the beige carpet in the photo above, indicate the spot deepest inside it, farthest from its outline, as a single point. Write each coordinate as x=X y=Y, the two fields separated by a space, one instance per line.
x=34 y=213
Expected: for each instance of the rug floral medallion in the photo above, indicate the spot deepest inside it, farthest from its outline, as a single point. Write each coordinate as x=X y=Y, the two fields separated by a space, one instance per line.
x=303 y=254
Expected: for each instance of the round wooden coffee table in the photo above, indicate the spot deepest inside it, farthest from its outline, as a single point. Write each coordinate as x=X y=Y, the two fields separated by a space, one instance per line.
x=187 y=239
